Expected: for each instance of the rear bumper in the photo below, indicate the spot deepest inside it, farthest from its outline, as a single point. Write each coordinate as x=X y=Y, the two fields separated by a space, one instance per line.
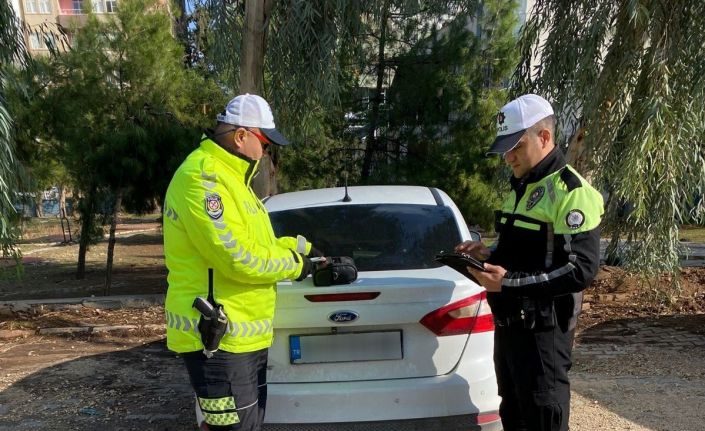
x=380 y=400
x=448 y=423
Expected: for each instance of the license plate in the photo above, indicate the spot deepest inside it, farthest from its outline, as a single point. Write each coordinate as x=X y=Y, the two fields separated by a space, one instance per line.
x=345 y=347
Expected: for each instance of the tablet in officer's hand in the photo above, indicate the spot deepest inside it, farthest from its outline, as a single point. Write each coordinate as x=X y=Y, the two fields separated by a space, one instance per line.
x=460 y=261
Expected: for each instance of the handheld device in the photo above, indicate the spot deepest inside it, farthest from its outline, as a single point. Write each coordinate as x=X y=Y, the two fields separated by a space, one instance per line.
x=460 y=262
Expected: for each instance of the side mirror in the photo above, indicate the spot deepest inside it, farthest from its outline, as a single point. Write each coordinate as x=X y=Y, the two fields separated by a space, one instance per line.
x=475 y=235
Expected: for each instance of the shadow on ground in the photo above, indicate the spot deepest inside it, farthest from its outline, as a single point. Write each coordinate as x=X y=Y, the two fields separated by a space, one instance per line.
x=139 y=388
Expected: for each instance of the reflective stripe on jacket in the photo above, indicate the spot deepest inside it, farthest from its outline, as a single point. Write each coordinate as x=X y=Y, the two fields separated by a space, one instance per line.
x=213 y=219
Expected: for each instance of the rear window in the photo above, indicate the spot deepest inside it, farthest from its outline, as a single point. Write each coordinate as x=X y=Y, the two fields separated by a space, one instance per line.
x=379 y=237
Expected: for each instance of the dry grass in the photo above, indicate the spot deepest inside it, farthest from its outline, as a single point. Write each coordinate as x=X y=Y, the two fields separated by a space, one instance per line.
x=692 y=234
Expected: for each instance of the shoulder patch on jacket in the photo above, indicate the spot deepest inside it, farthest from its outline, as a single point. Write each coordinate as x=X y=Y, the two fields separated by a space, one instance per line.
x=570 y=179
x=575 y=219
x=214 y=206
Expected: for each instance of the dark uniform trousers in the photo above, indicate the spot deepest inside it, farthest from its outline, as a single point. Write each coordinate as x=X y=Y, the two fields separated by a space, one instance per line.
x=242 y=376
x=532 y=376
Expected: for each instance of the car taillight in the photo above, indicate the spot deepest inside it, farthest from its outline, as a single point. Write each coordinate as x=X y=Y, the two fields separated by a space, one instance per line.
x=487 y=418
x=469 y=315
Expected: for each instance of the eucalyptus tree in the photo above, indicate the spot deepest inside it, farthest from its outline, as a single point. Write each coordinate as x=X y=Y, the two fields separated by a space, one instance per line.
x=629 y=74
x=12 y=52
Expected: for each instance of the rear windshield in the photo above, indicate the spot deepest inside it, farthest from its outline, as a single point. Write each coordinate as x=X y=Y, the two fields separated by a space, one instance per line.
x=378 y=237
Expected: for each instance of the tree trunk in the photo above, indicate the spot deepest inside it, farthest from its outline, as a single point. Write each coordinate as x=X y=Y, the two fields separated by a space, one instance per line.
x=372 y=144
x=87 y=211
x=254 y=44
x=265 y=183
x=111 y=241
x=39 y=209
x=62 y=201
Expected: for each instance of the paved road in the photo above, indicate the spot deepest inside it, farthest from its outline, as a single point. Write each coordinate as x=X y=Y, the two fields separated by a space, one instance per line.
x=693 y=255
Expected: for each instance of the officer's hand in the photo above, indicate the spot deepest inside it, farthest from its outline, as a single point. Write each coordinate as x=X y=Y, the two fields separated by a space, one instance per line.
x=490 y=278
x=475 y=249
x=307 y=268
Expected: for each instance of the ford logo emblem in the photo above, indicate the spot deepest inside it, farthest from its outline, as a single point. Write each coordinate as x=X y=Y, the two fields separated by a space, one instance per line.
x=343 y=316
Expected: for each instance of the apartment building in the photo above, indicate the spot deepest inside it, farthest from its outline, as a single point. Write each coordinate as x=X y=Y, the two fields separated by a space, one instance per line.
x=46 y=20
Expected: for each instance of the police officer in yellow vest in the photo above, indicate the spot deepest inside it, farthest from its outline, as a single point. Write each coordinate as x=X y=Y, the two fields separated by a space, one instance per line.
x=547 y=252
x=213 y=220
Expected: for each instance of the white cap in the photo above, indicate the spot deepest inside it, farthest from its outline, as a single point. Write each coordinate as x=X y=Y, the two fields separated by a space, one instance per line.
x=517 y=116
x=250 y=110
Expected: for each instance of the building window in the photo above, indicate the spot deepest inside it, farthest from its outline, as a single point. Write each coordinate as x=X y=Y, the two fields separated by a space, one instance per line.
x=98 y=6
x=36 y=41
x=111 y=6
x=30 y=6
x=77 y=6
x=50 y=41
x=44 y=6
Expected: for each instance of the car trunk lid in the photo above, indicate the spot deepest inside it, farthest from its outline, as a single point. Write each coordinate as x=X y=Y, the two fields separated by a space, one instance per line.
x=370 y=329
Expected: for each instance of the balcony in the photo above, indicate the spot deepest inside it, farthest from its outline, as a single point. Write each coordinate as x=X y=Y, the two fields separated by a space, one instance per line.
x=78 y=7
x=72 y=13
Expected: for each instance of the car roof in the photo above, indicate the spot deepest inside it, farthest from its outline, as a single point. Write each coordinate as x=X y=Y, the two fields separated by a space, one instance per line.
x=359 y=195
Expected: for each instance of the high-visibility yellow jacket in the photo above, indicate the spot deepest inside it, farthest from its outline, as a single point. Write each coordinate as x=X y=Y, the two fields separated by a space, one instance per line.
x=213 y=219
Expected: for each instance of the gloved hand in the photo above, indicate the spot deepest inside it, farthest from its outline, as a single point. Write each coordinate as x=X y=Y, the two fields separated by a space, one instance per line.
x=307 y=268
x=314 y=252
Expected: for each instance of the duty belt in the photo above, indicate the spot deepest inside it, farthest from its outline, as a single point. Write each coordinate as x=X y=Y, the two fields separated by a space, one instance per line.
x=503 y=322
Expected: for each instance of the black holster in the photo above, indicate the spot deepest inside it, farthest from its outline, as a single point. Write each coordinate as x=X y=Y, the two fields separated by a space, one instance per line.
x=212 y=329
x=213 y=322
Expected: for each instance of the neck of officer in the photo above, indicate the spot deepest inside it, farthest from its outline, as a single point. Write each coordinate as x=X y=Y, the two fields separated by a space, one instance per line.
x=225 y=141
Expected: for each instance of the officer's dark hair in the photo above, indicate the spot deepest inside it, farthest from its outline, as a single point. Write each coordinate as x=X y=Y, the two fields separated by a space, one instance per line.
x=221 y=125
x=546 y=123
x=221 y=131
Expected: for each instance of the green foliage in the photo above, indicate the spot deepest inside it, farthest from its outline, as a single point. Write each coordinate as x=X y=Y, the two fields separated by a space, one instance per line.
x=196 y=34
x=219 y=37
x=11 y=52
x=129 y=107
x=446 y=93
x=36 y=147
x=631 y=74
x=129 y=112
x=318 y=159
x=305 y=63
x=323 y=58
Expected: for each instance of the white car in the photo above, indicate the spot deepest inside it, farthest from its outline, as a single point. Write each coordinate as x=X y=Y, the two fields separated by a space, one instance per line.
x=407 y=346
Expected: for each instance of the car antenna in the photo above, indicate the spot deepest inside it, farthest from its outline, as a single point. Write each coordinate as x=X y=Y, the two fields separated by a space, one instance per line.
x=347 y=197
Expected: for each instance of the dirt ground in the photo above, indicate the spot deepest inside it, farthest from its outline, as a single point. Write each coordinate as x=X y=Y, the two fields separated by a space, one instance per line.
x=639 y=362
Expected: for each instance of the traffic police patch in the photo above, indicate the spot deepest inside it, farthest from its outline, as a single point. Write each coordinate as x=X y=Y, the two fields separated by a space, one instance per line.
x=501 y=127
x=575 y=219
x=535 y=197
x=214 y=206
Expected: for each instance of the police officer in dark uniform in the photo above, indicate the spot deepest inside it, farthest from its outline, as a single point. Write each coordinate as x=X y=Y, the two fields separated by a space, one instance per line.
x=547 y=252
